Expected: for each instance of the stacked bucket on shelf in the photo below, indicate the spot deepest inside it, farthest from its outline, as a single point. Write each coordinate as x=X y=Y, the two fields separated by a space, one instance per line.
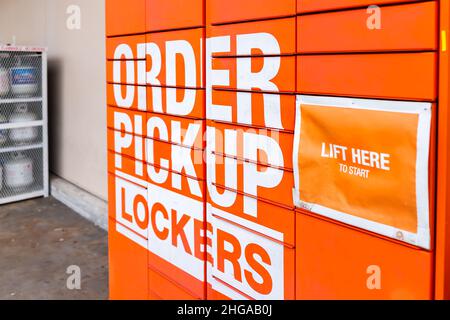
x=267 y=149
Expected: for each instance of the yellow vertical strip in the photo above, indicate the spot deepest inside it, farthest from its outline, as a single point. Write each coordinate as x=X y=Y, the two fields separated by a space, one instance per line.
x=444 y=41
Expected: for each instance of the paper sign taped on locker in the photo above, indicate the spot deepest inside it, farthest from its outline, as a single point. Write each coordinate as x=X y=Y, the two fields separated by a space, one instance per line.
x=365 y=163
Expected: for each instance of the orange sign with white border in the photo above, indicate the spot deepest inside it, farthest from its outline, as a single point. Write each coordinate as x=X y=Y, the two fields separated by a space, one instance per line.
x=365 y=163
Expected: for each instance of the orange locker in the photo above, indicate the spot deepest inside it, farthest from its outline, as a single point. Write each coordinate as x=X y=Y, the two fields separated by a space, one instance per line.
x=255 y=210
x=219 y=12
x=176 y=101
x=175 y=233
x=176 y=183
x=442 y=270
x=126 y=120
x=182 y=131
x=127 y=144
x=162 y=288
x=174 y=58
x=404 y=27
x=131 y=169
x=126 y=72
x=206 y=119
x=337 y=262
x=253 y=179
x=165 y=15
x=128 y=273
x=273 y=73
x=248 y=260
x=275 y=37
x=268 y=147
x=126 y=96
x=260 y=110
x=174 y=157
x=172 y=283
x=125 y=17
x=129 y=207
x=125 y=47
x=304 y=6
x=403 y=76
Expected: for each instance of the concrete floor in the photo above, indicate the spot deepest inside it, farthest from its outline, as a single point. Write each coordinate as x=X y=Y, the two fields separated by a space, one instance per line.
x=39 y=240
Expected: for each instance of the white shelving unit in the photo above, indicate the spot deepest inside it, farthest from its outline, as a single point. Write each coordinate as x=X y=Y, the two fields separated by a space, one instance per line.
x=23 y=123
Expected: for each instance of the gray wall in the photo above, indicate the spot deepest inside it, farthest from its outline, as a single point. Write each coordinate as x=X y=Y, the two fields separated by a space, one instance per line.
x=76 y=83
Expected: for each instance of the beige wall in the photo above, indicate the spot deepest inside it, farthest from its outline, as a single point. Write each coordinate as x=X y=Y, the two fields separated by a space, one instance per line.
x=76 y=83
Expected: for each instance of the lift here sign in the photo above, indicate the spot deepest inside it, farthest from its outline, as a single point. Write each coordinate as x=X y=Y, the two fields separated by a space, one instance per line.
x=365 y=163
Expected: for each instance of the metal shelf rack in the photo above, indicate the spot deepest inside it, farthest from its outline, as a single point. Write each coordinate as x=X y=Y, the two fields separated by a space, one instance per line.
x=23 y=123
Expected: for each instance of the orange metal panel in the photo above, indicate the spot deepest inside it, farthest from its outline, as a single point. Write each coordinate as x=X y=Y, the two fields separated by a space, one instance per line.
x=267 y=110
x=268 y=214
x=304 y=6
x=281 y=30
x=125 y=17
x=172 y=283
x=283 y=69
x=179 y=130
x=214 y=295
x=248 y=261
x=187 y=186
x=153 y=296
x=130 y=41
x=403 y=27
x=335 y=262
x=116 y=92
x=397 y=76
x=189 y=102
x=128 y=271
x=124 y=69
x=162 y=288
x=176 y=232
x=125 y=164
x=174 y=14
x=321 y=259
x=170 y=156
x=111 y=194
x=219 y=289
x=280 y=194
x=220 y=11
x=126 y=143
x=442 y=280
x=126 y=120
x=179 y=52
x=278 y=145
x=128 y=206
